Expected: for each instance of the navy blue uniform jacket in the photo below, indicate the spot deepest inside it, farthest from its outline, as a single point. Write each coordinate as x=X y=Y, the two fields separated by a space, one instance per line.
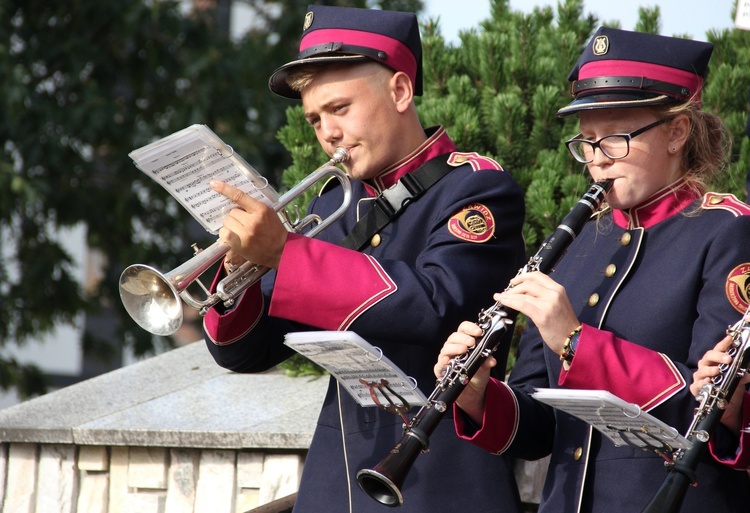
x=437 y=264
x=655 y=288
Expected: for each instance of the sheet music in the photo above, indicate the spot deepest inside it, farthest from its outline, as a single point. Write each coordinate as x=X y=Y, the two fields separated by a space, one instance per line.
x=622 y=422
x=350 y=358
x=185 y=162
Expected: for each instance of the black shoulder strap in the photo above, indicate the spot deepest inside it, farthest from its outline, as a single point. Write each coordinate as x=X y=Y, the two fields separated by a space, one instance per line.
x=391 y=202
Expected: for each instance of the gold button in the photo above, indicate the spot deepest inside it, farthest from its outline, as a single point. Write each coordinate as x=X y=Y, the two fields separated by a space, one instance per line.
x=593 y=299
x=610 y=271
x=375 y=241
x=715 y=200
x=578 y=453
x=625 y=239
x=460 y=159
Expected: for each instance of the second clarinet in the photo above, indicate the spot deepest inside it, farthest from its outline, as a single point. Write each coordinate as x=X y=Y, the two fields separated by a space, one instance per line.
x=383 y=482
x=713 y=398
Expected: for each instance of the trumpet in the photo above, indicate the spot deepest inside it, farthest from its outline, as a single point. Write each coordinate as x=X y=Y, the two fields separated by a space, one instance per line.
x=152 y=298
x=384 y=482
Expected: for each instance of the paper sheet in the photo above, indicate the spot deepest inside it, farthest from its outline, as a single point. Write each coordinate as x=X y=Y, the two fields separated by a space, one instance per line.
x=185 y=162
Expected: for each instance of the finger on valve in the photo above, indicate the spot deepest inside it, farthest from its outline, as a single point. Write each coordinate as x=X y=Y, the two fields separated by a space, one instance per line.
x=232 y=262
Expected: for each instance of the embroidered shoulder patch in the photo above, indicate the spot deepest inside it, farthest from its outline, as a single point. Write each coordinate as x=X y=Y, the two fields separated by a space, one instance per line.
x=473 y=223
x=474 y=159
x=737 y=287
x=714 y=200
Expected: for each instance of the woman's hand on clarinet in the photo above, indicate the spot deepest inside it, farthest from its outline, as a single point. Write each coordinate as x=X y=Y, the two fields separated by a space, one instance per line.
x=708 y=367
x=544 y=301
x=471 y=400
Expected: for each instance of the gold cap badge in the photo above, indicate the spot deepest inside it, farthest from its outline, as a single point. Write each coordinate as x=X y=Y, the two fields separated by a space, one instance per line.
x=308 y=21
x=601 y=45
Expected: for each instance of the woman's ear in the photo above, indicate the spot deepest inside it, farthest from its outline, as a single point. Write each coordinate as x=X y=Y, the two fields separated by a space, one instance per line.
x=402 y=91
x=680 y=129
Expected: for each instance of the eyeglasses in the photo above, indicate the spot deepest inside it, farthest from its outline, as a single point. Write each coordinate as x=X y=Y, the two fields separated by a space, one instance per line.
x=615 y=146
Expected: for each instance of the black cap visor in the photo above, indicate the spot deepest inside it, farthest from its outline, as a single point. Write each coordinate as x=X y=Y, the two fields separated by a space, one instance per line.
x=615 y=101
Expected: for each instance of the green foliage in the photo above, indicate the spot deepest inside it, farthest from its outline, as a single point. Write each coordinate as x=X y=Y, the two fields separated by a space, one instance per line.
x=306 y=153
x=298 y=366
x=84 y=84
x=726 y=94
x=27 y=379
x=648 y=20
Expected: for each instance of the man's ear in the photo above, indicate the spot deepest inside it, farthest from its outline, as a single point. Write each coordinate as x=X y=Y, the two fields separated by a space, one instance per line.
x=402 y=90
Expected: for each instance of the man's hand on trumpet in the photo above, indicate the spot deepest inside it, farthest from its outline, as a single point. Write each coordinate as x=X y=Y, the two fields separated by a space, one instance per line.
x=253 y=230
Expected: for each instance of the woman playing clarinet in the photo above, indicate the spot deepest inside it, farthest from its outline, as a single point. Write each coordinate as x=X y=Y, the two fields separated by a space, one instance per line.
x=646 y=289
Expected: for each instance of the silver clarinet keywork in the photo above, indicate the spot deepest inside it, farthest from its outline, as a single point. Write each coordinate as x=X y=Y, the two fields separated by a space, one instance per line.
x=383 y=482
x=713 y=399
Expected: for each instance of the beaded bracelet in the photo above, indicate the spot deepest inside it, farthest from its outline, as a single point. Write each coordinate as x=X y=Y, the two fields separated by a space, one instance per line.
x=569 y=349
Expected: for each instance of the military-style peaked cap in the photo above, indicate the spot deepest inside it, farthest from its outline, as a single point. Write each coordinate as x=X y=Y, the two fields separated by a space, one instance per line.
x=344 y=34
x=623 y=69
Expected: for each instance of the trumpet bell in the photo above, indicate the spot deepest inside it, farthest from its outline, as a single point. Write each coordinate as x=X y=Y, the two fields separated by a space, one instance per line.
x=150 y=300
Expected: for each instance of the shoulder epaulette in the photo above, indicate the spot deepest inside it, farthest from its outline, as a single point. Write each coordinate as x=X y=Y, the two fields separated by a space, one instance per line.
x=474 y=159
x=729 y=202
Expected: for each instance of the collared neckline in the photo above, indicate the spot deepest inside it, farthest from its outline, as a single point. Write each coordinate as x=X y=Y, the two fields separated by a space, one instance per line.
x=437 y=143
x=664 y=204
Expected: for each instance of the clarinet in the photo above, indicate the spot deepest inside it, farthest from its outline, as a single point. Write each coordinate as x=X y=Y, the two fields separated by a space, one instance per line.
x=383 y=482
x=714 y=397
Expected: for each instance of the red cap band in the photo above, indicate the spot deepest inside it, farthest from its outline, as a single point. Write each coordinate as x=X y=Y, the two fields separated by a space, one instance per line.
x=687 y=79
x=400 y=58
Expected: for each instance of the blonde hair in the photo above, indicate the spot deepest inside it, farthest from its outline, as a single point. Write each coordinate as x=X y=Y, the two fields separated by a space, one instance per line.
x=304 y=75
x=707 y=147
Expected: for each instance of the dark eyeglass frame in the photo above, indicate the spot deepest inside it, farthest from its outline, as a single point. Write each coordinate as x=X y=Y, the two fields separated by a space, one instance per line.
x=598 y=144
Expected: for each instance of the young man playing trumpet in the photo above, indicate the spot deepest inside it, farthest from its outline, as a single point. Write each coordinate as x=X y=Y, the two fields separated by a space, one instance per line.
x=404 y=288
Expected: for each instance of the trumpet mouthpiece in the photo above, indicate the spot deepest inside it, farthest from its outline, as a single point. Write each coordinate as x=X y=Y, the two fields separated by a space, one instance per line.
x=340 y=155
